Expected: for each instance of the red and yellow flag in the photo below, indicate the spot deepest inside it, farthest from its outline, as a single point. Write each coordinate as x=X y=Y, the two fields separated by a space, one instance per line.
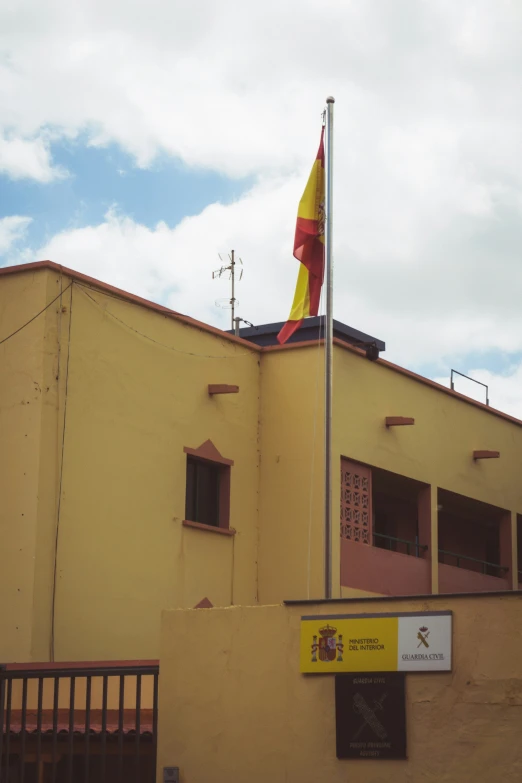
x=308 y=248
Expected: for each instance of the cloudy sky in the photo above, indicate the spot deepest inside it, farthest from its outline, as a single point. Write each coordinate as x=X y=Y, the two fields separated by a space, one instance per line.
x=139 y=140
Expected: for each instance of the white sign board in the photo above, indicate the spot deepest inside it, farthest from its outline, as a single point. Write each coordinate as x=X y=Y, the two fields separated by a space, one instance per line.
x=424 y=643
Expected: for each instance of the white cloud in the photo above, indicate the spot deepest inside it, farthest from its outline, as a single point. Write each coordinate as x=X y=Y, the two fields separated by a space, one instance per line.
x=428 y=172
x=234 y=85
x=28 y=159
x=176 y=264
x=12 y=230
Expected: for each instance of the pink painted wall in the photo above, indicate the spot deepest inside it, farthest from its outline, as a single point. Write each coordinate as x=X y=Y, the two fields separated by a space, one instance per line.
x=460 y=580
x=380 y=571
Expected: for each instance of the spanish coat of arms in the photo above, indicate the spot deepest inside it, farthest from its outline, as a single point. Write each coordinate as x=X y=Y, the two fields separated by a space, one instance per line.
x=329 y=647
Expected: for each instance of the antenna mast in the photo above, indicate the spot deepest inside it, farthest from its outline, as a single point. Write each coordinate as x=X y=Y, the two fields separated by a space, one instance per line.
x=233 y=278
x=232 y=302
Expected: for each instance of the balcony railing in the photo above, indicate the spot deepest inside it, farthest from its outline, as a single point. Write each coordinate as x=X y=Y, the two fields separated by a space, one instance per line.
x=389 y=541
x=72 y=722
x=485 y=566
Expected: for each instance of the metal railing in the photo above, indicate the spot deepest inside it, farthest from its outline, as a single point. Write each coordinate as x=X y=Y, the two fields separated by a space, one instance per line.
x=88 y=739
x=390 y=540
x=456 y=372
x=483 y=563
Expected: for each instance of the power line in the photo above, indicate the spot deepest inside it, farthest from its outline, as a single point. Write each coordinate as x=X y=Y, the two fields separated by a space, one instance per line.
x=60 y=483
x=157 y=342
x=35 y=316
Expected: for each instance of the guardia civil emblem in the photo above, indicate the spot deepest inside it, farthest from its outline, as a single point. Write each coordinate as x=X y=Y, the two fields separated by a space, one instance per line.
x=422 y=636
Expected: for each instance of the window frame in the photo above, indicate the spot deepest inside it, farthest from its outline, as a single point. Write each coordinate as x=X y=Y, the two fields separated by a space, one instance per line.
x=208 y=454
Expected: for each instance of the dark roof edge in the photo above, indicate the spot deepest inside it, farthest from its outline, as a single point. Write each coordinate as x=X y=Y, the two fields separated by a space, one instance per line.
x=388 y=598
x=354 y=336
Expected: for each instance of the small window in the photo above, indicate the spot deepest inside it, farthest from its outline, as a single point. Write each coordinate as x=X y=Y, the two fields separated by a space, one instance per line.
x=207 y=499
x=203 y=485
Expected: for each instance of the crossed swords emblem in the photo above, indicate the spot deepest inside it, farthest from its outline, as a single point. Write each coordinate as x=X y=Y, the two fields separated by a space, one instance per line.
x=368 y=714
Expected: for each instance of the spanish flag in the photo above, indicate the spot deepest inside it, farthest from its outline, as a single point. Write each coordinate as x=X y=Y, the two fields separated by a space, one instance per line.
x=308 y=249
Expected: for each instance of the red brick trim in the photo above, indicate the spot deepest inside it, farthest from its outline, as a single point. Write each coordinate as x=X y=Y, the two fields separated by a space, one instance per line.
x=205 y=603
x=208 y=452
x=222 y=388
x=398 y=421
x=224 y=531
x=484 y=454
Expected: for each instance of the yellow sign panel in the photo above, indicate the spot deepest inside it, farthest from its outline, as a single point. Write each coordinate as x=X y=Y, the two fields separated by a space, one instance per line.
x=330 y=645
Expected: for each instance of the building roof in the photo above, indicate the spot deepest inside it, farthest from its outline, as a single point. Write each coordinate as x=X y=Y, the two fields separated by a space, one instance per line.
x=311 y=329
x=346 y=337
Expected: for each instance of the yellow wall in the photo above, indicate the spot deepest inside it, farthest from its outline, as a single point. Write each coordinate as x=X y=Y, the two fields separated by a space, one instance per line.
x=437 y=450
x=29 y=458
x=237 y=709
x=20 y=417
x=132 y=405
x=54 y=385
x=130 y=386
x=291 y=477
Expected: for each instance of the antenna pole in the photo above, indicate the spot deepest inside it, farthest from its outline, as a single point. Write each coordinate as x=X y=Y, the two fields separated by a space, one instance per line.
x=233 y=300
x=328 y=354
x=218 y=274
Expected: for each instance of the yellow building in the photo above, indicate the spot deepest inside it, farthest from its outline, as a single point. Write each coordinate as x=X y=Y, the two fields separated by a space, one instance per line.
x=150 y=461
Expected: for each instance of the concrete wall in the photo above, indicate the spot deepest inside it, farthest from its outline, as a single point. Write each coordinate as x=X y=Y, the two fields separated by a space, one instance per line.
x=383 y=572
x=234 y=707
x=117 y=391
x=99 y=396
x=461 y=580
x=20 y=416
x=436 y=450
x=291 y=476
x=137 y=395
x=30 y=383
x=55 y=364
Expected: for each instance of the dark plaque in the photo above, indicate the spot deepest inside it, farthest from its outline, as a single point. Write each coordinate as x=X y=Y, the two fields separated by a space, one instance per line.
x=370 y=713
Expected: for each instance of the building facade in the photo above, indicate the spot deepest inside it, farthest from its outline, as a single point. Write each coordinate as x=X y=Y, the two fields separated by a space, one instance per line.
x=150 y=461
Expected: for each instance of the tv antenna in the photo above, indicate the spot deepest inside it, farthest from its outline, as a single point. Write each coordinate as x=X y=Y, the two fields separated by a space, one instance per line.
x=229 y=304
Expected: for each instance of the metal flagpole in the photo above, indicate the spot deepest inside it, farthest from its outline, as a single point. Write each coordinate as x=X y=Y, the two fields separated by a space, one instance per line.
x=328 y=353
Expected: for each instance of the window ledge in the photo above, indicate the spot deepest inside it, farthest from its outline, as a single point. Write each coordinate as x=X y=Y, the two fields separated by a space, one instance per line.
x=223 y=531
